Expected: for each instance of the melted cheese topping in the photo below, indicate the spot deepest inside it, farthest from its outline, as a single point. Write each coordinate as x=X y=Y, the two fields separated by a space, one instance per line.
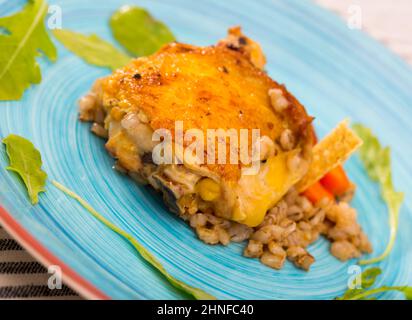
x=256 y=194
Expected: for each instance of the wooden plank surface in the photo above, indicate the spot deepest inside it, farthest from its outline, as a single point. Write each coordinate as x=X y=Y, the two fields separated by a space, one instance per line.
x=388 y=21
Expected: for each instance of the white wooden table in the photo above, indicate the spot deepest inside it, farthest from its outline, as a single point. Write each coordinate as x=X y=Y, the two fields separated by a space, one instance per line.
x=388 y=21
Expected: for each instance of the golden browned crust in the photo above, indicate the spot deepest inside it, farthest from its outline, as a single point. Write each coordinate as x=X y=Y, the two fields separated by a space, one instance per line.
x=206 y=88
x=236 y=40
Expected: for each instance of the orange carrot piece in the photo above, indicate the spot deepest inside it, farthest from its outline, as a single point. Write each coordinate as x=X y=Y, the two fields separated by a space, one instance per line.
x=336 y=181
x=317 y=192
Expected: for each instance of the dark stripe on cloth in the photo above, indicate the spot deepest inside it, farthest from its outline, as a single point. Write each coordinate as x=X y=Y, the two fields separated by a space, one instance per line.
x=21 y=267
x=9 y=244
x=32 y=291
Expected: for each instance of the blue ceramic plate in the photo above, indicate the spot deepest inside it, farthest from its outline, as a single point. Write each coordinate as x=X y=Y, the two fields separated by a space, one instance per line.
x=336 y=72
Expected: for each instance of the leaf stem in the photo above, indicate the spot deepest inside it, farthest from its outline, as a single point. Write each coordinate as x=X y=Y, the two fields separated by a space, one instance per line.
x=393 y=229
x=365 y=294
x=195 y=292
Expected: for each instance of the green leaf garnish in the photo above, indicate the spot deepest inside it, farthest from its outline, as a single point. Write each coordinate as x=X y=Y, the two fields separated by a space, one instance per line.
x=133 y=27
x=24 y=38
x=195 y=292
x=138 y=31
x=25 y=160
x=367 y=293
x=377 y=162
x=369 y=276
x=92 y=49
x=368 y=279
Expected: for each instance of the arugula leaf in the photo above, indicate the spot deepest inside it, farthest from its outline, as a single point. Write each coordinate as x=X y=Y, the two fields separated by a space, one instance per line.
x=25 y=160
x=138 y=31
x=93 y=49
x=23 y=39
x=195 y=292
x=369 y=276
x=377 y=162
x=368 y=279
x=367 y=293
x=407 y=291
x=133 y=27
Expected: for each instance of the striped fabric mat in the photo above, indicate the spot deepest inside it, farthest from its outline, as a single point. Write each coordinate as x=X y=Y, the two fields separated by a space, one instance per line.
x=21 y=277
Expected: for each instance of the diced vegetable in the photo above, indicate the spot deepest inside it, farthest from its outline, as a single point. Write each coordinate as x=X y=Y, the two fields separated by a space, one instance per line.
x=336 y=181
x=317 y=192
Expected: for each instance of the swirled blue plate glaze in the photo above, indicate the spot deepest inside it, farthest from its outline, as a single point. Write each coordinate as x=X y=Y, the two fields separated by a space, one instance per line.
x=335 y=72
